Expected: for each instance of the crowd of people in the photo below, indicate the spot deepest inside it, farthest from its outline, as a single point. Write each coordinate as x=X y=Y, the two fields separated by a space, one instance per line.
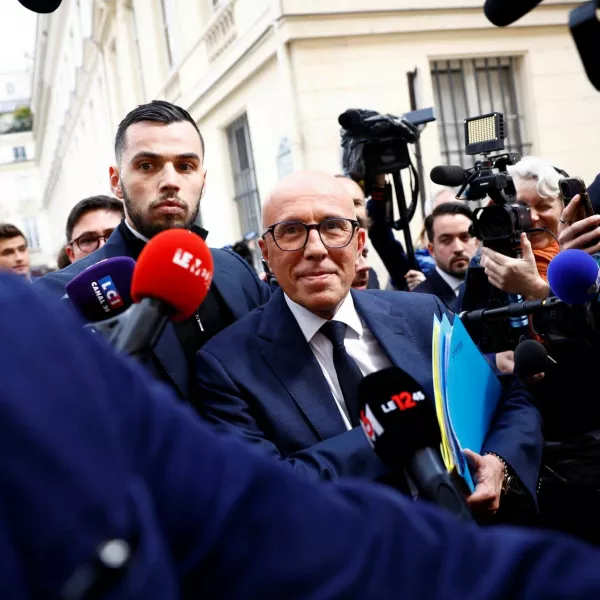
x=275 y=362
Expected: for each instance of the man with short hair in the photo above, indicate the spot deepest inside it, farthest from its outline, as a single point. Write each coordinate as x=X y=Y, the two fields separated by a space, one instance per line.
x=285 y=378
x=453 y=247
x=14 y=254
x=159 y=174
x=90 y=223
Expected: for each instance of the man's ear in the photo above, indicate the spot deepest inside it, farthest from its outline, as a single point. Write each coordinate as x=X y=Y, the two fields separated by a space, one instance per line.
x=70 y=253
x=430 y=249
x=115 y=181
x=265 y=251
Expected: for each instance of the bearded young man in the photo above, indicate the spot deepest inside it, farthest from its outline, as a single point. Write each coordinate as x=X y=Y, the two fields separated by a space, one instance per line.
x=159 y=175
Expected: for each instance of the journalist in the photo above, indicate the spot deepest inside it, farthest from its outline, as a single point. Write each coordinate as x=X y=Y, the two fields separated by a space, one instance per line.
x=112 y=489
x=569 y=489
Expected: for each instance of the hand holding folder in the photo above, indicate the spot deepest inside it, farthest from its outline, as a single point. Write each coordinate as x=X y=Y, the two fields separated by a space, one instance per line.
x=466 y=394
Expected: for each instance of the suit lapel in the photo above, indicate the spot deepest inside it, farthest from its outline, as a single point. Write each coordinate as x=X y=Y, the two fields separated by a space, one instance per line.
x=168 y=350
x=290 y=358
x=443 y=291
x=395 y=335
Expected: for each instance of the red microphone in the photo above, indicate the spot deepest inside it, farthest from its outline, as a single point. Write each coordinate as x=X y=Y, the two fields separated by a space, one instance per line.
x=171 y=278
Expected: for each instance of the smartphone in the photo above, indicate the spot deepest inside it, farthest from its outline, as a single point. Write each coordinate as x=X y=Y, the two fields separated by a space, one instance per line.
x=569 y=188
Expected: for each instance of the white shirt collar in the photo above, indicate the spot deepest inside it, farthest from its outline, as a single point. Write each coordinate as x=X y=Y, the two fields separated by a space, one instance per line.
x=137 y=235
x=453 y=282
x=310 y=323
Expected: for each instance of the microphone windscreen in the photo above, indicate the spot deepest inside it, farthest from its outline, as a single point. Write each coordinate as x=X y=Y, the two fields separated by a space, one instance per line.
x=103 y=290
x=505 y=12
x=41 y=6
x=531 y=358
x=349 y=119
x=396 y=416
x=448 y=175
x=573 y=276
x=175 y=267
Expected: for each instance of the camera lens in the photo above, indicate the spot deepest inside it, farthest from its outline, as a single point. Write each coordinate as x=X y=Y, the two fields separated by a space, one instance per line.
x=495 y=222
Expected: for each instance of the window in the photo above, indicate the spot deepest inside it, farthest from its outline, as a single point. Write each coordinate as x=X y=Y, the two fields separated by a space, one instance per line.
x=244 y=176
x=285 y=164
x=472 y=87
x=168 y=23
x=19 y=153
x=10 y=89
x=30 y=229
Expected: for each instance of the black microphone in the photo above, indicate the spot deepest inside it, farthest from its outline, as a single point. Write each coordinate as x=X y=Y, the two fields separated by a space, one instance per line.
x=350 y=119
x=401 y=425
x=42 y=7
x=505 y=12
x=514 y=309
x=448 y=175
x=531 y=358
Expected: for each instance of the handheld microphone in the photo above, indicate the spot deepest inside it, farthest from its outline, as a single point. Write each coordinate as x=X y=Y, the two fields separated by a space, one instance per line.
x=574 y=276
x=448 y=175
x=401 y=426
x=102 y=291
x=505 y=12
x=42 y=7
x=170 y=280
x=531 y=358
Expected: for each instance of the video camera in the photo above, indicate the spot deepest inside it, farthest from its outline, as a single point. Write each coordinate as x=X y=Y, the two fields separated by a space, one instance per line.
x=377 y=144
x=500 y=225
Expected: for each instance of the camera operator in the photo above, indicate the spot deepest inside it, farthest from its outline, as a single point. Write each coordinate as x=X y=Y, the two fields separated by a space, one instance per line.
x=569 y=490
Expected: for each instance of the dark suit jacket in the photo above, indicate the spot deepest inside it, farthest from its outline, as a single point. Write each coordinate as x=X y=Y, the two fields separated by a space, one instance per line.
x=436 y=285
x=260 y=380
x=233 y=277
x=93 y=450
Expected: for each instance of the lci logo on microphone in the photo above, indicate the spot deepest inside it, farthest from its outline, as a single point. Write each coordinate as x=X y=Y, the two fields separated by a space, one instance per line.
x=188 y=261
x=107 y=294
x=371 y=426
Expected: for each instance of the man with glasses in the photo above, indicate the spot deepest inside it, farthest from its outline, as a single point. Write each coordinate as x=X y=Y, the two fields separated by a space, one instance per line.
x=90 y=223
x=285 y=378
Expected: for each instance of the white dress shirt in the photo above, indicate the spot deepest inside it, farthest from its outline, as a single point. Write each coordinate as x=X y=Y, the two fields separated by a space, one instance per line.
x=137 y=235
x=453 y=282
x=360 y=344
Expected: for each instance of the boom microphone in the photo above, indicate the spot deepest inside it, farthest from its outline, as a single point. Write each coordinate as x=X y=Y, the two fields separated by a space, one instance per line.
x=505 y=12
x=41 y=6
x=448 y=175
x=102 y=291
x=171 y=279
x=401 y=425
x=574 y=276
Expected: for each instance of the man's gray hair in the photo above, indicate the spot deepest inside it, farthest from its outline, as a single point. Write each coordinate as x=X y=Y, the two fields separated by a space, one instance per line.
x=533 y=168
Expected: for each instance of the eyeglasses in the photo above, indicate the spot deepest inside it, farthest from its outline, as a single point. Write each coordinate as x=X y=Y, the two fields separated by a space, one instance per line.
x=293 y=235
x=89 y=242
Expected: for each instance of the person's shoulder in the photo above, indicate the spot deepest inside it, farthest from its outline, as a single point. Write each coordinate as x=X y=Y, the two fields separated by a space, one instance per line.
x=229 y=258
x=57 y=280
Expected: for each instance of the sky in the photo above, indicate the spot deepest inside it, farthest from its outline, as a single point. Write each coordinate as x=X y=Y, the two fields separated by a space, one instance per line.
x=17 y=37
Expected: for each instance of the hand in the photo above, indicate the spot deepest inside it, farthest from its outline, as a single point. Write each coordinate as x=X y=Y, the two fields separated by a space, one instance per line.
x=576 y=234
x=505 y=361
x=488 y=474
x=414 y=278
x=262 y=276
x=515 y=275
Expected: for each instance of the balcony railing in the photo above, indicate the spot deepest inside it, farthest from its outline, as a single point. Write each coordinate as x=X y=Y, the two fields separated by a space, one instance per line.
x=221 y=32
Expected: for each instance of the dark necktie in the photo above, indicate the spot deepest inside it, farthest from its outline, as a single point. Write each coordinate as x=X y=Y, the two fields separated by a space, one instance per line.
x=348 y=373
